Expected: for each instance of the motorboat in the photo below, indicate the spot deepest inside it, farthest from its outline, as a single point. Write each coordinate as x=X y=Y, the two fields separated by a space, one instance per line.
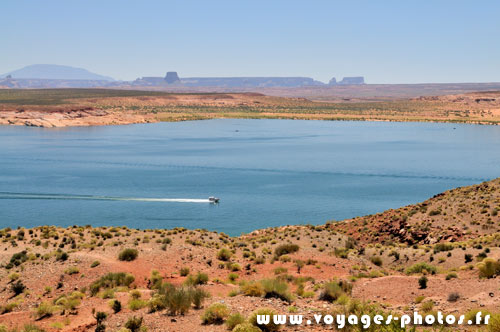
x=213 y=200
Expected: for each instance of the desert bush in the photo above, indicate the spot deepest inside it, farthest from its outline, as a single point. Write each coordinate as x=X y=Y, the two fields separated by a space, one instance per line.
x=184 y=271
x=44 y=309
x=334 y=289
x=233 y=320
x=177 y=300
x=246 y=327
x=427 y=306
x=468 y=258
x=285 y=249
x=32 y=328
x=215 y=314
x=453 y=297
x=198 y=279
x=17 y=259
x=155 y=280
x=61 y=256
x=136 y=304
x=8 y=307
x=376 y=260
x=17 y=287
x=224 y=254
x=439 y=247
x=341 y=252
x=111 y=280
x=134 y=324
x=274 y=288
x=422 y=282
x=252 y=289
x=116 y=306
x=451 y=275
x=128 y=255
x=494 y=323
x=489 y=268
x=95 y=264
x=421 y=267
x=72 y=270
x=271 y=327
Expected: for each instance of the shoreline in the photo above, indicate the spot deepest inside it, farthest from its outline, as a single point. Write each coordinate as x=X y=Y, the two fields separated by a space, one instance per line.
x=119 y=120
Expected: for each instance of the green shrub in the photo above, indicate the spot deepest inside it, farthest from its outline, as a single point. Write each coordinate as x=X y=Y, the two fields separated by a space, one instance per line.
x=453 y=297
x=116 y=306
x=72 y=270
x=252 y=289
x=494 y=323
x=44 y=309
x=420 y=268
x=439 y=247
x=451 y=275
x=468 y=258
x=271 y=327
x=489 y=268
x=341 y=252
x=427 y=306
x=233 y=320
x=32 y=328
x=17 y=287
x=61 y=256
x=111 y=280
x=198 y=296
x=422 y=282
x=246 y=327
x=198 y=279
x=136 y=304
x=178 y=301
x=215 y=314
x=184 y=271
x=274 y=288
x=95 y=264
x=155 y=280
x=376 y=260
x=9 y=307
x=134 y=324
x=334 y=289
x=224 y=254
x=128 y=255
x=285 y=249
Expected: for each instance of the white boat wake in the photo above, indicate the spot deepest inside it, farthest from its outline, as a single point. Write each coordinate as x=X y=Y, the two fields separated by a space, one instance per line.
x=10 y=195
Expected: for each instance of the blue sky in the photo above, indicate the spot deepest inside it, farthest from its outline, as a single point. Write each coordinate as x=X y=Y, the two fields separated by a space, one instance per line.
x=385 y=41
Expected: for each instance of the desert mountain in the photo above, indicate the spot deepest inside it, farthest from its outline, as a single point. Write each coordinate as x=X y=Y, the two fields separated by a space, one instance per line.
x=43 y=71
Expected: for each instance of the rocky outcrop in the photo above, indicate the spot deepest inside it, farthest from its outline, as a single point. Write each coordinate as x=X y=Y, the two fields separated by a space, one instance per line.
x=172 y=77
x=352 y=80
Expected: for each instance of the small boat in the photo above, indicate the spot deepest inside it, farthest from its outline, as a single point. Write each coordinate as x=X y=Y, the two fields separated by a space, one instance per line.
x=213 y=200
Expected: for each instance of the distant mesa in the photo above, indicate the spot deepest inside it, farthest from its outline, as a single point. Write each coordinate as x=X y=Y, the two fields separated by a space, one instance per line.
x=55 y=72
x=355 y=80
x=172 y=77
x=56 y=76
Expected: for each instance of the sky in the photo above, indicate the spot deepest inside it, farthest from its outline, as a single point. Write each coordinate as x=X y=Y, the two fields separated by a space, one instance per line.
x=434 y=41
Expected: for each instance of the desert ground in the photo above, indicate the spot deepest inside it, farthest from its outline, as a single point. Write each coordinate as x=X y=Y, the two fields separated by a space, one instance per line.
x=91 y=107
x=439 y=255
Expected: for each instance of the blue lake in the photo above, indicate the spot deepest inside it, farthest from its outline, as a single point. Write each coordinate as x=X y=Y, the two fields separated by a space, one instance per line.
x=266 y=172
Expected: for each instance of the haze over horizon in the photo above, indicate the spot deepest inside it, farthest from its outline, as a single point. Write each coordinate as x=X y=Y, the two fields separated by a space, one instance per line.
x=393 y=42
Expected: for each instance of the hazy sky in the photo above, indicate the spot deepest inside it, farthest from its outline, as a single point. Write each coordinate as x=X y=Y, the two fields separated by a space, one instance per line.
x=385 y=41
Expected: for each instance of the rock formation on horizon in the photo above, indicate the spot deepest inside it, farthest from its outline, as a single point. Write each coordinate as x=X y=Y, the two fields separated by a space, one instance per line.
x=355 y=80
x=172 y=77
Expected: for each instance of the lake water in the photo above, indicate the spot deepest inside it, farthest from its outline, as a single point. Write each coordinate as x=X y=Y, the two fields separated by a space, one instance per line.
x=266 y=172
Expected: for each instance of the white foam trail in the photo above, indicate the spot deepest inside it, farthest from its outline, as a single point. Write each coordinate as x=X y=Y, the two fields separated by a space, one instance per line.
x=98 y=198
